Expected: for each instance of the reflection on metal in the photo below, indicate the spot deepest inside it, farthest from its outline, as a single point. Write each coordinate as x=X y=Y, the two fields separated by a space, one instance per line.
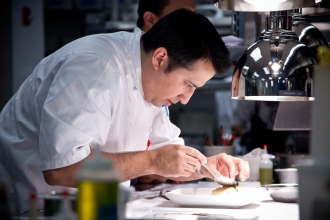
x=315 y=11
x=263 y=5
x=278 y=67
x=307 y=33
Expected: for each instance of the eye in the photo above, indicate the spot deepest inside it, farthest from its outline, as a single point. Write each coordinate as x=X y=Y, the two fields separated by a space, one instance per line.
x=188 y=84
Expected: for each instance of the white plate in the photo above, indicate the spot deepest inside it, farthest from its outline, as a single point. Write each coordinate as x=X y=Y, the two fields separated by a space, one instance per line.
x=204 y=197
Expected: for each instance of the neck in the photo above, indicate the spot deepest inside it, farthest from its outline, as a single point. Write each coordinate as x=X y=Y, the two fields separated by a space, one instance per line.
x=144 y=28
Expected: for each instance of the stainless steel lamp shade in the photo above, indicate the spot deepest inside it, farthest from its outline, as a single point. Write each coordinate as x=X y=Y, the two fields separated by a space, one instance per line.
x=307 y=33
x=263 y=5
x=275 y=70
x=277 y=67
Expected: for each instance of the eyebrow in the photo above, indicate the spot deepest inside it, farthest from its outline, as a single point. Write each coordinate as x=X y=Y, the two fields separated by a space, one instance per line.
x=194 y=85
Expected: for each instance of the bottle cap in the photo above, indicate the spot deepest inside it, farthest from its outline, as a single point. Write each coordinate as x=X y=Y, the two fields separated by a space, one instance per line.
x=33 y=196
x=265 y=149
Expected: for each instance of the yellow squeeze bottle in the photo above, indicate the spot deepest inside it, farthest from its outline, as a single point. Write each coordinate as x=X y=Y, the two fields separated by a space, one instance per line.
x=265 y=168
x=98 y=190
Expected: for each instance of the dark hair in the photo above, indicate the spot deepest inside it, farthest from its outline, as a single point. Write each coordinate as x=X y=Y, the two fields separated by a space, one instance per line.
x=187 y=37
x=154 y=6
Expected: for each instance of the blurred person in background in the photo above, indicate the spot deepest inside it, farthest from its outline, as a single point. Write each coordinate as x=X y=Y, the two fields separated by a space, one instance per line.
x=253 y=122
x=150 y=11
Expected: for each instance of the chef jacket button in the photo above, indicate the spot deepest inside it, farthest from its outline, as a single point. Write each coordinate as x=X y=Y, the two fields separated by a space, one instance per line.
x=130 y=124
x=134 y=88
x=150 y=129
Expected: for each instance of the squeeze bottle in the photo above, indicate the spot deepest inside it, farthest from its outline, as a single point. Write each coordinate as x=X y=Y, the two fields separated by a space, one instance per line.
x=65 y=212
x=98 y=190
x=265 y=169
x=33 y=212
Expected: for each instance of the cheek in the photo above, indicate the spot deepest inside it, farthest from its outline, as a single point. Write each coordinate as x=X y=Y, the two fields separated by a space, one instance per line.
x=175 y=90
x=172 y=87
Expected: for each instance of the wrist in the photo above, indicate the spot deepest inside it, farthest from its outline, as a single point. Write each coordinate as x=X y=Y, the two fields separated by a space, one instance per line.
x=152 y=159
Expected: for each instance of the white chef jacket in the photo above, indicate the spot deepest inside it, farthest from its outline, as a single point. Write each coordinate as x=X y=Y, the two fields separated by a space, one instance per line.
x=88 y=93
x=136 y=29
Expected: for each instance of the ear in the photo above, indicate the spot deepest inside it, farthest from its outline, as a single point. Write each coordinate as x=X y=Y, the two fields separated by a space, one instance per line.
x=149 y=19
x=160 y=58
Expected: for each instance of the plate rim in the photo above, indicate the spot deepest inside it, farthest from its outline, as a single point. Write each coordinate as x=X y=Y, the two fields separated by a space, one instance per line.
x=223 y=200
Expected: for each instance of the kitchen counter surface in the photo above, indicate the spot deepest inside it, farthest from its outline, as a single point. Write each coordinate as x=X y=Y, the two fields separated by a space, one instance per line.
x=263 y=208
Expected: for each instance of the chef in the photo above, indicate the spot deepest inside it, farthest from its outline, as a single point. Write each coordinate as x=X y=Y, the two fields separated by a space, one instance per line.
x=112 y=92
x=150 y=11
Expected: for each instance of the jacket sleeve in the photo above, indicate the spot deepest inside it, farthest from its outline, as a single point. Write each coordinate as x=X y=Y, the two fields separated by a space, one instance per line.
x=76 y=114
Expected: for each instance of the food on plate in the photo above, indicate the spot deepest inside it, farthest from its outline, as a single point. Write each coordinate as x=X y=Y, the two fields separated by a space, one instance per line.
x=227 y=190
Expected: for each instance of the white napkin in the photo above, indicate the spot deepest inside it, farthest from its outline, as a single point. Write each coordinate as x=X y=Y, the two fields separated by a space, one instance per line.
x=138 y=206
x=141 y=207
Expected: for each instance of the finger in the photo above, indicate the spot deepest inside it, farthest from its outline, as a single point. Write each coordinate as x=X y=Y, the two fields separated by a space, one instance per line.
x=246 y=172
x=212 y=164
x=195 y=153
x=186 y=163
x=190 y=167
x=182 y=173
x=193 y=162
x=242 y=168
x=227 y=165
x=224 y=172
x=217 y=168
x=188 y=173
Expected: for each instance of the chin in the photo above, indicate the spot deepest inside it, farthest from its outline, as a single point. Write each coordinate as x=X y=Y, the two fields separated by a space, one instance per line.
x=156 y=104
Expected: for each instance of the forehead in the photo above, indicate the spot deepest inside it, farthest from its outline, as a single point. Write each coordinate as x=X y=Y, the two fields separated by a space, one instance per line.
x=177 y=4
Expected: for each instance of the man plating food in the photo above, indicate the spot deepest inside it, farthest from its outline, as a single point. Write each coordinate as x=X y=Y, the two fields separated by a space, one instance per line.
x=107 y=91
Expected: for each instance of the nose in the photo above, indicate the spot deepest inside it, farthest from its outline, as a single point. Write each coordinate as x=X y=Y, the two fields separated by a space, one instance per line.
x=185 y=97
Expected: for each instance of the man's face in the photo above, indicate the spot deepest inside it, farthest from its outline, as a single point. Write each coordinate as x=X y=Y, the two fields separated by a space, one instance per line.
x=179 y=84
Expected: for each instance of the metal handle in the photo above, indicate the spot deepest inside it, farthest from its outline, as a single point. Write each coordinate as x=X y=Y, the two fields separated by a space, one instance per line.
x=209 y=169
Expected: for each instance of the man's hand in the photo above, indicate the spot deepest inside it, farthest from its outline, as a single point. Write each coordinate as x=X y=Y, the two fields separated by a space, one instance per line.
x=229 y=166
x=177 y=160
